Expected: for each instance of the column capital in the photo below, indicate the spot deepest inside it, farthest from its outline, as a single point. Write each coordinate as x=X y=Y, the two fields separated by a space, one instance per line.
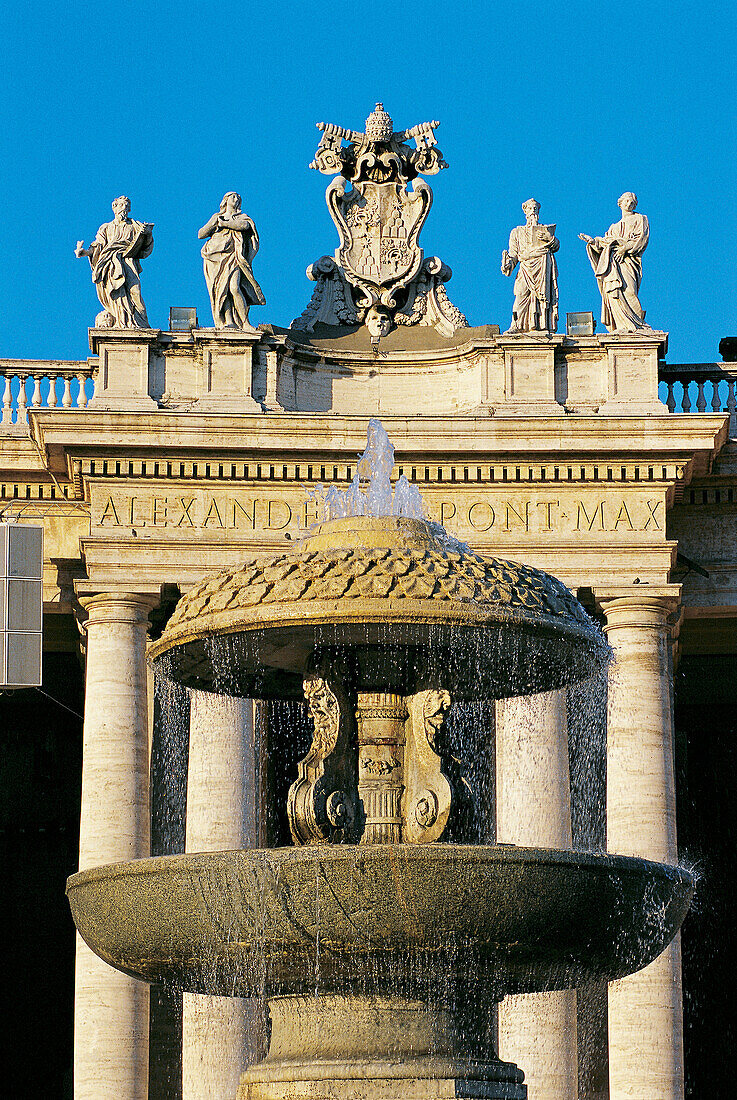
x=644 y=606
x=117 y=601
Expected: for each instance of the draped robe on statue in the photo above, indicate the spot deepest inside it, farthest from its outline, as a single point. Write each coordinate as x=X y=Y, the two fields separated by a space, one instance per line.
x=227 y=257
x=536 y=285
x=619 y=279
x=115 y=256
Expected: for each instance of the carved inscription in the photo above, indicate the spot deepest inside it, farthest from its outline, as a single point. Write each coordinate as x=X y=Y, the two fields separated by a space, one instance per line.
x=555 y=514
x=202 y=511
x=497 y=514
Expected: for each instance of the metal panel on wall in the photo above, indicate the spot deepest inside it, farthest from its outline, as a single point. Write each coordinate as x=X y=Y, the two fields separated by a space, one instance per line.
x=21 y=604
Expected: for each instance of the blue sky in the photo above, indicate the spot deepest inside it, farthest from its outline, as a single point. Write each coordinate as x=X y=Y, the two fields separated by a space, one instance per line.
x=174 y=104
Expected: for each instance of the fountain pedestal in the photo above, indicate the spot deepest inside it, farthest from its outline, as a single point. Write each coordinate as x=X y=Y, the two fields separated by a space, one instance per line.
x=378 y=1048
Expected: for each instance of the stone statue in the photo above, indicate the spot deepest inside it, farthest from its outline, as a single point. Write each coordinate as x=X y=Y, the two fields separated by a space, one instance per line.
x=115 y=258
x=532 y=246
x=616 y=260
x=232 y=243
x=379 y=275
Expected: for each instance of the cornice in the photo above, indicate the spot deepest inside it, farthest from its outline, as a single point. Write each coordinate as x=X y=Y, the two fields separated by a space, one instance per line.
x=449 y=439
x=120 y=559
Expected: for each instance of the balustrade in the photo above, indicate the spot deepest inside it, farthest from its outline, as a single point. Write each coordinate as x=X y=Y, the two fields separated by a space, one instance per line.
x=684 y=387
x=66 y=385
x=701 y=387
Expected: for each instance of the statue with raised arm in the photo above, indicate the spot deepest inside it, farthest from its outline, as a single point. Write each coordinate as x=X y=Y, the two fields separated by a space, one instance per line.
x=115 y=258
x=230 y=246
x=617 y=263
x=533 y=247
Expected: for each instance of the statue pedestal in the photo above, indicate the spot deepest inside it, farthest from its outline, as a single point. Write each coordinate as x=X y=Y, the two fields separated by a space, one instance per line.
x=632 y=373
x=225 y=359
x=126 y=357
x=529 y=387
x=375 y=1048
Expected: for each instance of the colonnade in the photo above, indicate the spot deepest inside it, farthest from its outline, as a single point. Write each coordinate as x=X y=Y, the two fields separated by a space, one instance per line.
x=533 y=808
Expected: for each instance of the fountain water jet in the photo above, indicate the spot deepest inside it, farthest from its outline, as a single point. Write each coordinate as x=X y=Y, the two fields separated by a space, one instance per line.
x=384 y=936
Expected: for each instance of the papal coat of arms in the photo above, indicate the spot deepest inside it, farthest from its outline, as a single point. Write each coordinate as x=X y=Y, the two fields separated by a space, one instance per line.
x=379 y=275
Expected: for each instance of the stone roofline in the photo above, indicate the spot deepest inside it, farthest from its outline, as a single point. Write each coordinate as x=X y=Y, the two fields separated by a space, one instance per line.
x=477 y=371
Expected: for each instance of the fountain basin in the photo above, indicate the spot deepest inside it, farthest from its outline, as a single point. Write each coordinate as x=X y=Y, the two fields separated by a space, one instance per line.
x=379 y=918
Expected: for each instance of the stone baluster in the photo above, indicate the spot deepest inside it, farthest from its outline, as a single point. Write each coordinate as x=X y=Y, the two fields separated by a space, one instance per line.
x=732 y=408
x=82 y=397
x=22 y=417
x=671 y=399
x=220 y=1035
x=686 y=399
x=700 y=396
x=645 y=1009
x=111 y=1009
x=36 y=395
x=66 y=397
x=51 y=400
x=716 y=400
x=8 y=402
x=537 y=1031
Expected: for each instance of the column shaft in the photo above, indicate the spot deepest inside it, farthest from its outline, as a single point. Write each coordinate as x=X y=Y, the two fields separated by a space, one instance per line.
x=220 y=1034
x=645 y=1009
x=111 y=1010
x=537 y=1031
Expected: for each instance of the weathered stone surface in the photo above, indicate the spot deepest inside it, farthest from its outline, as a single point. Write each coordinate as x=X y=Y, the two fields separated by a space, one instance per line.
x=385 y=1046
x=532 y=246
x=387 y=580
x=617 y=264
x=231 y=242
x=378 y=276
x=284 y=919
x=115 y=258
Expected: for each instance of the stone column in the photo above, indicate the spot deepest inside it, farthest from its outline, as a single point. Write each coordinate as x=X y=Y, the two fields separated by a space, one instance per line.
x=218 y=1038
x=111 y=1010
x=645 y=1009
x=537 y=1031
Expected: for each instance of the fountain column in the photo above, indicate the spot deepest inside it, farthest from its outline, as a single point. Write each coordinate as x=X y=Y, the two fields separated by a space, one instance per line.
x=533 y=797
x=218 y=1033
x=111 y=1009
x=645 y=1009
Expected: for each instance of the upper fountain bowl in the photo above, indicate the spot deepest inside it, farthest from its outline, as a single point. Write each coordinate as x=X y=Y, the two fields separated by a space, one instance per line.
x=408 y=601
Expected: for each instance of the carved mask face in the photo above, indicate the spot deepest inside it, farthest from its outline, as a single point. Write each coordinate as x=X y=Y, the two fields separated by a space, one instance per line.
x=436 y=704
x=378 y=323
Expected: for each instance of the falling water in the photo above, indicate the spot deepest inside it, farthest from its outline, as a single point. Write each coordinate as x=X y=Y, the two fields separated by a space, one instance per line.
x=502 y=654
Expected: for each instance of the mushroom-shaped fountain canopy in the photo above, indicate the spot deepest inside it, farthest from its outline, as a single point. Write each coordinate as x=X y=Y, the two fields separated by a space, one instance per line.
x=404 y=603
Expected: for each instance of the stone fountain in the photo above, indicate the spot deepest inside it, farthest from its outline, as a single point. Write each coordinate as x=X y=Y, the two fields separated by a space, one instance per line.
x=384 y=936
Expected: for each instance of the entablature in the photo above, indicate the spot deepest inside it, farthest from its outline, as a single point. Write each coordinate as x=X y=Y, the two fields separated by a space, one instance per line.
x=579 y=447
